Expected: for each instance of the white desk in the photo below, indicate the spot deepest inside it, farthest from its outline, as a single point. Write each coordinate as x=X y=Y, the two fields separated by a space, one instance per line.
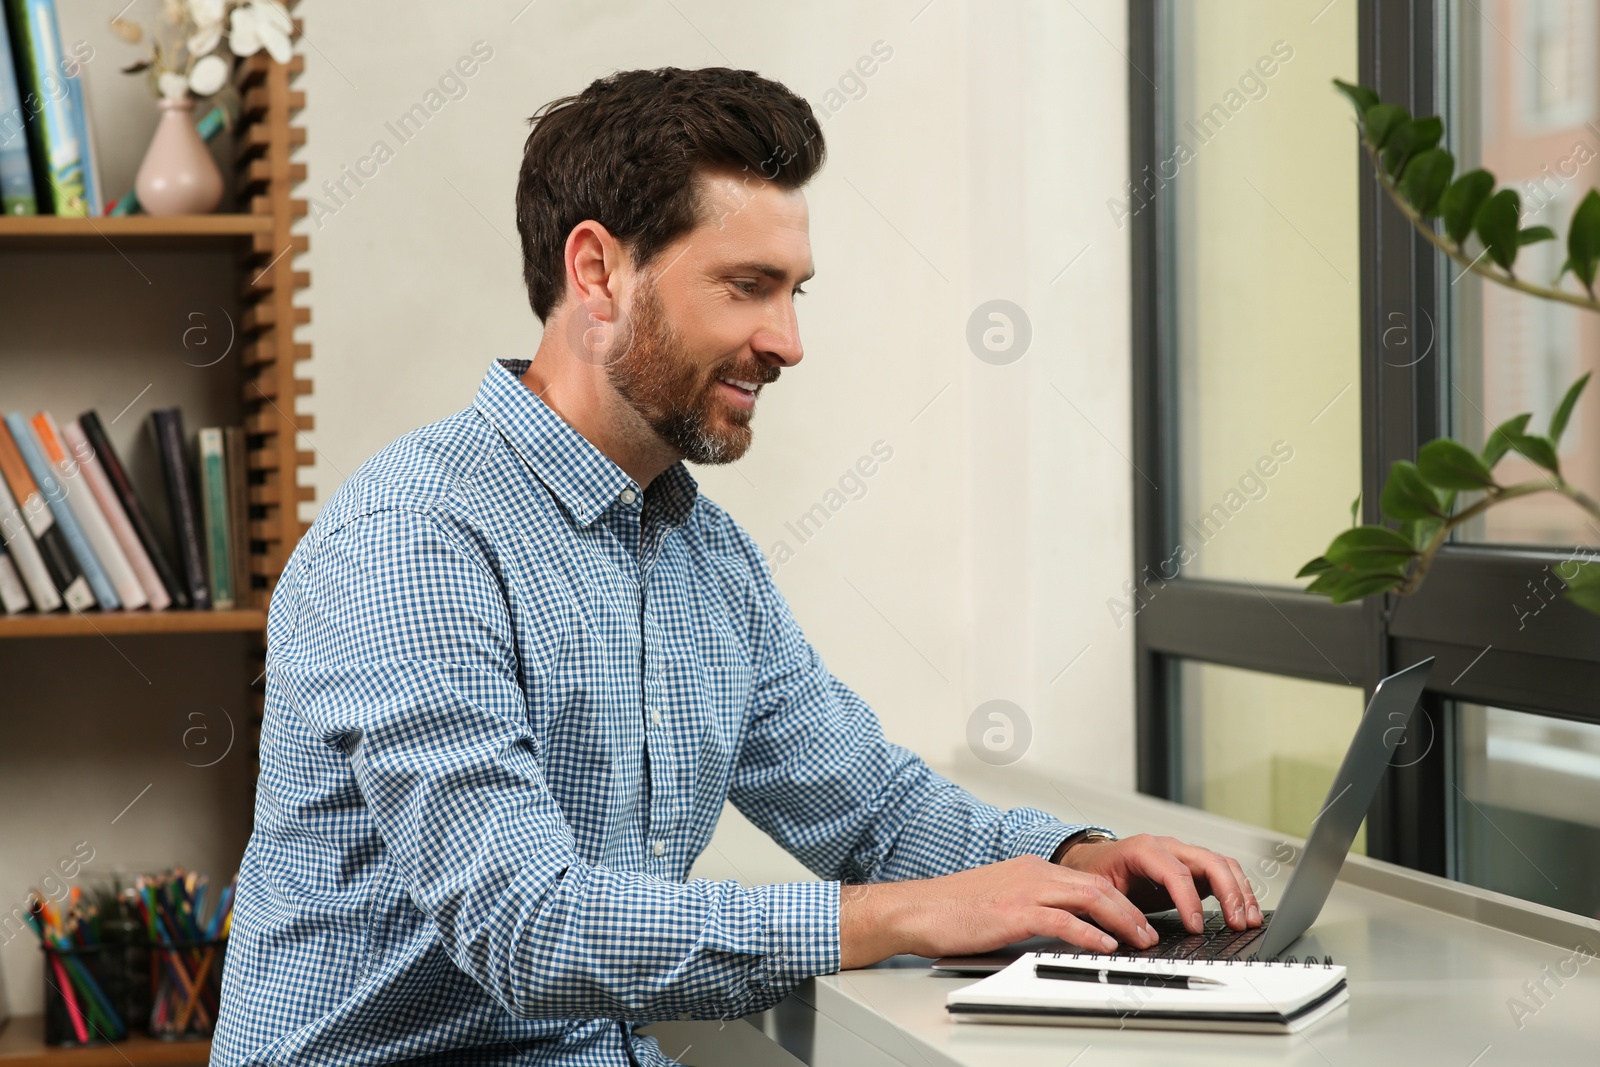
x=1432 y=965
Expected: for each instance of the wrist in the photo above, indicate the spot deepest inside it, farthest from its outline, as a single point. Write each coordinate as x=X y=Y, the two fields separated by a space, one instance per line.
x=1088 y=835
x=868 y=924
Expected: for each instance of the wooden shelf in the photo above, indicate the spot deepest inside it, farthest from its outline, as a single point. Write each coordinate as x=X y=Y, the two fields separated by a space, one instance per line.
x=115 y=623
x=52 y=231
x=22 y=1045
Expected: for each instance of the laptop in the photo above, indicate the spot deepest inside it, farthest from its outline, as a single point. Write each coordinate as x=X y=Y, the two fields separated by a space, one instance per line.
x=1332 y=833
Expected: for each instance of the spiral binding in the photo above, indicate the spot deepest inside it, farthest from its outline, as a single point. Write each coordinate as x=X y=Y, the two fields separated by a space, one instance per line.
x=1249 y=961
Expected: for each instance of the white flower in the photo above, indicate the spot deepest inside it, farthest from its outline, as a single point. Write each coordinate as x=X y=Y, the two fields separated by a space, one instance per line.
x=209 y=75
x=261 y=24
x=174 y=86
x=207 y=16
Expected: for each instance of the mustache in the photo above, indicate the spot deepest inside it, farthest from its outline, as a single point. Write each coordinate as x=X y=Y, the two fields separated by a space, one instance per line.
x=760 y=373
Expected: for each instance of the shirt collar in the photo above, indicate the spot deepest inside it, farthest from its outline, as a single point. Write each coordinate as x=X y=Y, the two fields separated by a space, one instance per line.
x=582 y=478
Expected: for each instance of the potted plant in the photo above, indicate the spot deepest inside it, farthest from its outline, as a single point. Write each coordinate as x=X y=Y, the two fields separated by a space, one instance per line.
x=190 y=54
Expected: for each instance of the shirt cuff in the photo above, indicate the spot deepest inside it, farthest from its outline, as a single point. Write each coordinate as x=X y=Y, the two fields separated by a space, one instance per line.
x=1044 y=839
x=802 y=933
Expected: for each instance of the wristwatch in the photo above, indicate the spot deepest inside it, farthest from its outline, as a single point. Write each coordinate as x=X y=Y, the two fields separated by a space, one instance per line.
x=1079 y=838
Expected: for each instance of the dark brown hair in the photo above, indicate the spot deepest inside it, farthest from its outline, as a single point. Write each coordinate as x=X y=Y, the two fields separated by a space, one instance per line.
x=625 y=152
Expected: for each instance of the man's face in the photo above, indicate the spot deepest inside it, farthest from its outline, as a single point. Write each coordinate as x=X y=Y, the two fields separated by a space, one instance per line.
x=715 y=321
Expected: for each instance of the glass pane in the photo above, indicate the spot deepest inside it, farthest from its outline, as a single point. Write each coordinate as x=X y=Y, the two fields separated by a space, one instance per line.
x=1526 y=89
x=1263 y=748
x=1261 y=166
x=1527 y=811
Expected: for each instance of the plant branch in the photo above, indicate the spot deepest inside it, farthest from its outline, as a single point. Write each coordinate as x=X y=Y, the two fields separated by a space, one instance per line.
x=1495 y=495
x=1459 y=255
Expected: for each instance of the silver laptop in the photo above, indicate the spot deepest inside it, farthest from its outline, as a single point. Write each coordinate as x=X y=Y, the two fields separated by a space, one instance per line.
x=1332 y=832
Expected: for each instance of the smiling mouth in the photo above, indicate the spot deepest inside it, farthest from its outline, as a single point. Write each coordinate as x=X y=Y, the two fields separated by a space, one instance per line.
x=747 y=388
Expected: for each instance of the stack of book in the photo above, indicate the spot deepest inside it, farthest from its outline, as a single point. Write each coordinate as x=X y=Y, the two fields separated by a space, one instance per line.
x=76 y=536
x=47 y=158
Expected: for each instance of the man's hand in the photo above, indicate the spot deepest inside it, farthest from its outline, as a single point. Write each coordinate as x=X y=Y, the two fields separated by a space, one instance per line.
x=1158 y=873
x=989 y=907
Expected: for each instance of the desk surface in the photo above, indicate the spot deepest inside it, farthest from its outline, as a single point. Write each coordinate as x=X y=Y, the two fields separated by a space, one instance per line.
x=1435 y=968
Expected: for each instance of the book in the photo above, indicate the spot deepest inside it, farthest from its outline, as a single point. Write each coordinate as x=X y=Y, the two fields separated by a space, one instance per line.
x=167 y=425
x=94 y=476
x=49 y=107
x=109 y=462
x=56 y=497
x=236 y=451
x=16 y=165
x=86 y=509
x=214 y=515
x=13 y=594
x=1135 y=992
x=93 y=183
x=24 y=553
x=38 y=524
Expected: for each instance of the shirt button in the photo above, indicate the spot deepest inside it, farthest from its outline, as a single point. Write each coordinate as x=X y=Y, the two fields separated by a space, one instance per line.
x=658 y=848
x=629 y=496
x=655 y=717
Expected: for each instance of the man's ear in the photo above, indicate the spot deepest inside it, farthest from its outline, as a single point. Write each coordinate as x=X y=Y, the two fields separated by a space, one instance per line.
x=594 y=261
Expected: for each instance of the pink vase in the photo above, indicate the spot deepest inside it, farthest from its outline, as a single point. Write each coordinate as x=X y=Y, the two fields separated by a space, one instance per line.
x=178 y=175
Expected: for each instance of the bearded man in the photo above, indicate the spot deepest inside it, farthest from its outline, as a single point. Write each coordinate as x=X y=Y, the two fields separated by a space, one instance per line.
x=518 y=665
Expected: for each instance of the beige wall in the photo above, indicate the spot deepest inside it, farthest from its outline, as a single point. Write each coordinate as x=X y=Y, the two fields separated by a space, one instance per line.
x=975 y=165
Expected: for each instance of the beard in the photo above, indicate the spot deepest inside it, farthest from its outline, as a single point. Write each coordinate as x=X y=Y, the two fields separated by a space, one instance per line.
x=676 y=394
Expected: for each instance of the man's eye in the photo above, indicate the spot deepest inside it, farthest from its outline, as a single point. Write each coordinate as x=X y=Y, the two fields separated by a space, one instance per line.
x=747 y=288
x=799 y=291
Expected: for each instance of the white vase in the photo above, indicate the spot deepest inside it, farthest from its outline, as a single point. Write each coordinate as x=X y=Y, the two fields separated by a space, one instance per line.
x=178 y=175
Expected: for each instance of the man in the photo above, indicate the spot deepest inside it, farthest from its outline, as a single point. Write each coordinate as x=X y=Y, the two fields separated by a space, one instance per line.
x=518 y=664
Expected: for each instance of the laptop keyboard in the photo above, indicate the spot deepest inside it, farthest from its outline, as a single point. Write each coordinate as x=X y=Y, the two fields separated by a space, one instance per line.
x=1216 y=942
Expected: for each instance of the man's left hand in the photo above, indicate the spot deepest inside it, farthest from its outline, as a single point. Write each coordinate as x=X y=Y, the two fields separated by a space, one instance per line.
x=1157 y=873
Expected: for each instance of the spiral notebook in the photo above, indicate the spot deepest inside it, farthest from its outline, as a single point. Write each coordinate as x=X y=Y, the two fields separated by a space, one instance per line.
x=1237 y=995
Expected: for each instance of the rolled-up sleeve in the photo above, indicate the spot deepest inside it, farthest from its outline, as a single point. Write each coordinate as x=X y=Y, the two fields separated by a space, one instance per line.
x=397 y=651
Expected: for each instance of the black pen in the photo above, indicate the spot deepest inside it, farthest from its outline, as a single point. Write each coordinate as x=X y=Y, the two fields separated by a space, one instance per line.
x=1105 y=976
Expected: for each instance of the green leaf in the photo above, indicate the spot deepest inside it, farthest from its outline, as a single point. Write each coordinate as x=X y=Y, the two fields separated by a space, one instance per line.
x=1583 y=239
x=1459 y=204
x=1420 y=531
x=1358 y=586
x=1381 y=120
x=1316 y=566
x=1355 y=510
x=1408 y=140
x=1558 y=421
x=1499 y=442
x=1370 y=548
x=1359 y=95
x=1407 y=495
x=1327 y=582
x=1450 y=465
x=1497 y=226
x=1534 y=234
x=1425 y=180
x=1583 y=588
x=1539 y=450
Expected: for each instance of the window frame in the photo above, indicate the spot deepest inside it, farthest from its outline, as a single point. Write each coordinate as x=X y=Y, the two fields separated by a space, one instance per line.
x=1462 y=615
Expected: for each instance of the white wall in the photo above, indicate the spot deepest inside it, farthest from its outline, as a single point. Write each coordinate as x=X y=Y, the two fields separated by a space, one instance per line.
x=976 y=165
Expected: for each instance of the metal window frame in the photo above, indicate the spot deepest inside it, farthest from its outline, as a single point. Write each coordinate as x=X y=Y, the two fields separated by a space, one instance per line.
x=1466 y=614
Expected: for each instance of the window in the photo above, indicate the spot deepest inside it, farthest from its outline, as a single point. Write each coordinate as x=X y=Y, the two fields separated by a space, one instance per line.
x=1266 y=230
x=1243 y=336
x=1522 y=96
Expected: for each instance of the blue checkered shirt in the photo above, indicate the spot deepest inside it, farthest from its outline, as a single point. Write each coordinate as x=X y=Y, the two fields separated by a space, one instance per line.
x=508 y=692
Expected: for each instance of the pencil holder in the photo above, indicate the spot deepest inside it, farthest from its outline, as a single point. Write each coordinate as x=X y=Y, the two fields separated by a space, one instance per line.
x=77 y=1010
x=187 y=979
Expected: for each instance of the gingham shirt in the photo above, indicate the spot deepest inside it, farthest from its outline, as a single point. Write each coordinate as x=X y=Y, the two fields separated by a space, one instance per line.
x=508 y=692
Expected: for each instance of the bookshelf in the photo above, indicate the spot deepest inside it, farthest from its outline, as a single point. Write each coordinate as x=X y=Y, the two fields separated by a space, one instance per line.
x=22 y=1045
x=62 y=272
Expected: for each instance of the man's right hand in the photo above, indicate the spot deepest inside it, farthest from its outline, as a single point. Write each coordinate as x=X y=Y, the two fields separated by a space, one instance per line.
x=985 y=909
